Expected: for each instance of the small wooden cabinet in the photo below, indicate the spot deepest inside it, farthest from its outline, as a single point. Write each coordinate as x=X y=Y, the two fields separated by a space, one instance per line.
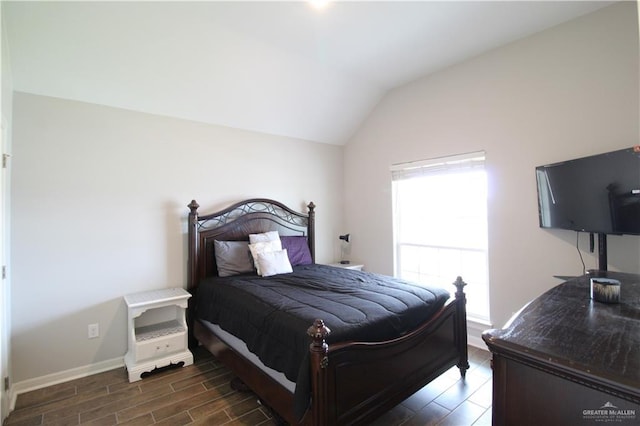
x=157 y=331
x=354 y=266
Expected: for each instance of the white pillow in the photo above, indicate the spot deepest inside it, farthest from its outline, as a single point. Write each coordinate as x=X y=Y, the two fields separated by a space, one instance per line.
x=265 y=236
x=274 y=262
x=263 y=247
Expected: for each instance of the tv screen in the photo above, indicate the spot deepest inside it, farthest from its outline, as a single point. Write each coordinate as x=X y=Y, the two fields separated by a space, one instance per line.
x=598 y=194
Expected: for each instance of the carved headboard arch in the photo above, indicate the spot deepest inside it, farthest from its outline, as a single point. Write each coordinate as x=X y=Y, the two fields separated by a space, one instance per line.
x=235 y=223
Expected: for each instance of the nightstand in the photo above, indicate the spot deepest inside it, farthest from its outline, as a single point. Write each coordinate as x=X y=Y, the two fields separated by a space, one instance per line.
x=157 y=331
x=354 y=266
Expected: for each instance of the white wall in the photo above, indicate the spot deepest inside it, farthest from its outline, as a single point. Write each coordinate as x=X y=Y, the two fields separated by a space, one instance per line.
x=568 y=92
x=100 y=206
x=5 y=198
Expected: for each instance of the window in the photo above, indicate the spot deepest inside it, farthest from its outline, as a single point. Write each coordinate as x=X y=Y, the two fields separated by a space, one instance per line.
x=440 y=225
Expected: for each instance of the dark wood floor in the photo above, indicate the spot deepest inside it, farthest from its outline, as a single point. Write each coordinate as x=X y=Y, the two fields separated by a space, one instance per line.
x=200 y=394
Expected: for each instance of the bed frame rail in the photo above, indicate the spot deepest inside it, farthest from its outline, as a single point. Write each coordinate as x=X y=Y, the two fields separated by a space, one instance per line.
x=359 y=382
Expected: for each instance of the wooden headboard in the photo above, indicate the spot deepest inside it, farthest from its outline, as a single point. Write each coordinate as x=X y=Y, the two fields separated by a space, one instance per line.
x=235 y=223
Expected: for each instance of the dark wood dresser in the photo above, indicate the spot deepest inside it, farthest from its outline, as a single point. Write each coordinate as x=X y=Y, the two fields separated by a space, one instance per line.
x=565 y=359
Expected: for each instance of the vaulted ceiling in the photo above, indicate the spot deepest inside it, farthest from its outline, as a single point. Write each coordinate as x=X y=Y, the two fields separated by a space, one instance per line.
x=281 y=68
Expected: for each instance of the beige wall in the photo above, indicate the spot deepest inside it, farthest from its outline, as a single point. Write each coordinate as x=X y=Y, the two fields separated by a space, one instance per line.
x=99 y=211
x=5 y=284
x=564 y=93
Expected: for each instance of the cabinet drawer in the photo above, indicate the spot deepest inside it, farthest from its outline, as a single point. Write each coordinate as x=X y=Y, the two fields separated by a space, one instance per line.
x=157 y=347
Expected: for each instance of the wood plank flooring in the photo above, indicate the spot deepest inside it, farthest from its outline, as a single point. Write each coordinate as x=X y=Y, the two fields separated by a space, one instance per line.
x=200 y=394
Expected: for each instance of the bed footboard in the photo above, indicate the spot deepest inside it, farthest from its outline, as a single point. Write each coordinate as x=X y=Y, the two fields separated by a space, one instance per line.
x=355 y=383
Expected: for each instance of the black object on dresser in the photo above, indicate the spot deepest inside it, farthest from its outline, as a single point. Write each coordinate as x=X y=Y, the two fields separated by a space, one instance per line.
x=565 y=359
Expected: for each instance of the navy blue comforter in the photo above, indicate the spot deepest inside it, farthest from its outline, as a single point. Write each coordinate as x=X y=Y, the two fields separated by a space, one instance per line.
x=272 y=314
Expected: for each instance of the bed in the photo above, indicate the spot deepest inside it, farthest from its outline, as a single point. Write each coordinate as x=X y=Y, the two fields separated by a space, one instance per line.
x=342 y=374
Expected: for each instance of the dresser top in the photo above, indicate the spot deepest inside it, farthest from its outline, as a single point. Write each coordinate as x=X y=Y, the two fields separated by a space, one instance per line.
x=564 y=327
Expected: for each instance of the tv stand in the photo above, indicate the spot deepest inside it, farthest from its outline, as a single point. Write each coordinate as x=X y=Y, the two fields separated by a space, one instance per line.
x=602 y=252
x=565 y=359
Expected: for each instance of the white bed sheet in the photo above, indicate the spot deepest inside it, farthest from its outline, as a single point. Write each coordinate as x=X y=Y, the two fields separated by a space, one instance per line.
x=241 y=347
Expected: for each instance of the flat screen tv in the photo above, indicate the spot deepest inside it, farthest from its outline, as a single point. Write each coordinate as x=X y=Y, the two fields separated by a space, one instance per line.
x=599 y=194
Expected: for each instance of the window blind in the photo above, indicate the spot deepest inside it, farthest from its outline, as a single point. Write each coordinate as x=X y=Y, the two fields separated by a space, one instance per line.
x=449 y=164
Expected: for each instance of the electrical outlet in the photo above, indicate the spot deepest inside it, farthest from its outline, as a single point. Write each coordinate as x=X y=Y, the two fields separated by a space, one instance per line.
x=94 y=331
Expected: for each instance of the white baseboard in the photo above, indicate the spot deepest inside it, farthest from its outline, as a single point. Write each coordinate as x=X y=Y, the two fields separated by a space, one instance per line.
x=474 y=333
x=24 y=386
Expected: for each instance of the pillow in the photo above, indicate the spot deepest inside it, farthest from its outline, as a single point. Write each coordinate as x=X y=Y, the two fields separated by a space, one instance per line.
x=265 y=236
x=263 y=247
x=274 y=262
x=232 y=257
x=298 y=249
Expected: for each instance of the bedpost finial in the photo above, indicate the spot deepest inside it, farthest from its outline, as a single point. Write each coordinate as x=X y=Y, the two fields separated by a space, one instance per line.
x=193 y=206
x=311 y=206
x=318 y=331
x=460 y=284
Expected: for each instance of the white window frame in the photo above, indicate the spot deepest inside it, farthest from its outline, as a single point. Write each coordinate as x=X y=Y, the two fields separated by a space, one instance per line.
x=432 y=167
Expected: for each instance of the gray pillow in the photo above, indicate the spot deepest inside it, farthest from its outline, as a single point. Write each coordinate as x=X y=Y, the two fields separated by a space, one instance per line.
x=232 y=257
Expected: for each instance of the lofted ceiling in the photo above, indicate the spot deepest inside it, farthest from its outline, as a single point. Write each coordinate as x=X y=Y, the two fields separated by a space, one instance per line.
x=281 y=68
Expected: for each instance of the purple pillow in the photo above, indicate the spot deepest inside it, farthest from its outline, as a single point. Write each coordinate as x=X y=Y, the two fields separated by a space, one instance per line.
x=297 y=249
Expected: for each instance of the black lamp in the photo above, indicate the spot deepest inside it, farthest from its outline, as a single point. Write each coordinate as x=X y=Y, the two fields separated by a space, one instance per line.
x=344 y=238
